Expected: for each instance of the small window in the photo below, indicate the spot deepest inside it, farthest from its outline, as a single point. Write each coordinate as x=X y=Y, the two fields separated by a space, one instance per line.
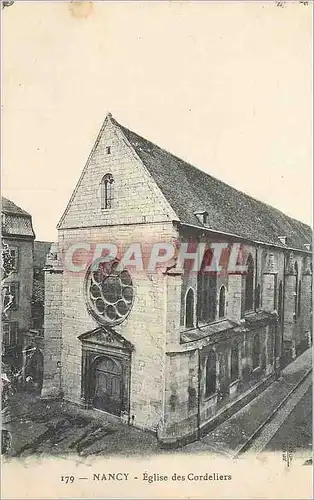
x=210 y=387
x=14 y=256
x=234 y=370
x=108 y=150
x=189 y=309
x=10 y=296
x=202 y=216
x=256 y=351
x=9 y=258
x=107 y=191
x=9 y=333
x=222 y=302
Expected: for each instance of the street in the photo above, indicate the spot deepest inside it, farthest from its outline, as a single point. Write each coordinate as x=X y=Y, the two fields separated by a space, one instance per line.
x=296 y=431
x=289 y=430
x=58 y=428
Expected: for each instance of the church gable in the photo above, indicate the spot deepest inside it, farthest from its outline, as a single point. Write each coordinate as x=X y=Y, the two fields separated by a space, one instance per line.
x=115 y=187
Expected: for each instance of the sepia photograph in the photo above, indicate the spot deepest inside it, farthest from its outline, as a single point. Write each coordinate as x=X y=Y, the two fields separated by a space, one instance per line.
x=156 y=249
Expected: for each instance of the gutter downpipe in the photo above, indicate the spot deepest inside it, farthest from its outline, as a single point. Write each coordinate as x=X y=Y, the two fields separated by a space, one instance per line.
x=283 y=306
x=199 y=397
x=256 y=281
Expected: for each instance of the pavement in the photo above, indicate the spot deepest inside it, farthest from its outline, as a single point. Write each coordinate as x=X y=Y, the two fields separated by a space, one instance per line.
x=233 y=435
x=59 y=428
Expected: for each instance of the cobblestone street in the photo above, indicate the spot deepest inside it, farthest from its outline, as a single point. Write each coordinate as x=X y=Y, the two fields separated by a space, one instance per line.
x=59 y=428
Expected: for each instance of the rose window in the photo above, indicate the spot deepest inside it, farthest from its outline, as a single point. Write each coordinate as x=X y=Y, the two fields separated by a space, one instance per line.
x=109 y=292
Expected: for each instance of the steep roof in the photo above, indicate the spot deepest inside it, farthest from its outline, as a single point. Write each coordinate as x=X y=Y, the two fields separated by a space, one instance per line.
x=189 y=190
x=15 y=221
x=8 y=207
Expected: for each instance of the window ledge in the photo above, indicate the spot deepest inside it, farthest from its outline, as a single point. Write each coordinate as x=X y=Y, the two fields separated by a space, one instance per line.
x=235 y=382
x=211 y=396
x=214 y=322
x=248 y=312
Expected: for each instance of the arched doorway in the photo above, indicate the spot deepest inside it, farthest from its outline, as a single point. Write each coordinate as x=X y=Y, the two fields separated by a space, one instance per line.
x=107 y=385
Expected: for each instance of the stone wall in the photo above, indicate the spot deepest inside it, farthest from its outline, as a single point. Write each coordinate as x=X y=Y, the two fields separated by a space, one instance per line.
x=145 y=327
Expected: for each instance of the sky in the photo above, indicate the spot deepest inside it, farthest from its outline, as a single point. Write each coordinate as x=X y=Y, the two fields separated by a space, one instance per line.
x=226 y=86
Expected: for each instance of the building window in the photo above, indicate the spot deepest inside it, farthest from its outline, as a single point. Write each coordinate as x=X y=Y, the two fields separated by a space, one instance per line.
x=206 y=291
x=280 y=301
x=222 y=302
x=9 y=333
x=9 y=259
x=189 y=309
x=257 y=296
x=299 y=299
x=249 y=283
x=108 y=150
x=234 y=369
x=202 y=216
x=10 y=296
x=13 y=251
x=107 y=191
x=256 y=350
x=210 y=385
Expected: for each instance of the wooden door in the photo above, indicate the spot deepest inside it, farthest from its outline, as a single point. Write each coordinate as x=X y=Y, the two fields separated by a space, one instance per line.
x=108 y=385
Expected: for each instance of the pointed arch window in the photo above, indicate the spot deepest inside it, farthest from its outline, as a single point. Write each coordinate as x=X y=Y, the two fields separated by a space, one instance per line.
x=256 y=350
x=206 y=290
x=189 y=309
x=222 y=302
x=106 y=187
x=211 y=374
x=249 y=285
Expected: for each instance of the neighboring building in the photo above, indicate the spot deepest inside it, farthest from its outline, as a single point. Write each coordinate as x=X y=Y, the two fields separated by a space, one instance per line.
x=167 y=350
x=41 y=250
x=34 y=339
x=18 y=234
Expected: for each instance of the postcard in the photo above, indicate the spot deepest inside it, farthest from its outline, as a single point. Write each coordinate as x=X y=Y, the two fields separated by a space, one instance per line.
x=156 y=249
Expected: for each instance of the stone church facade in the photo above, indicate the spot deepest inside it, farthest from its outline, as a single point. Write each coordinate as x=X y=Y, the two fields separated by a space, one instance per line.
x=170 y=350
